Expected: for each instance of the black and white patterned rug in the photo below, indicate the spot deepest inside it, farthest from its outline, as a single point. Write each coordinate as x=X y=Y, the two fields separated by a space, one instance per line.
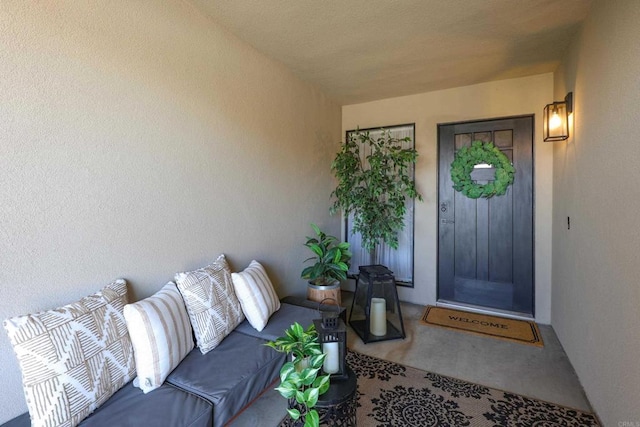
x=390 y=394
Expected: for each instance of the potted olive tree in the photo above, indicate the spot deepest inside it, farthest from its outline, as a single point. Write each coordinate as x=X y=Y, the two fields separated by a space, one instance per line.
x=300 y=383
x=331 y=263
x=374 y=188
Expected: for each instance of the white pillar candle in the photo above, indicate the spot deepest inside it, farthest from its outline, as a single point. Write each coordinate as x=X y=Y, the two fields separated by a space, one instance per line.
x=378 y=317
x=332 y=361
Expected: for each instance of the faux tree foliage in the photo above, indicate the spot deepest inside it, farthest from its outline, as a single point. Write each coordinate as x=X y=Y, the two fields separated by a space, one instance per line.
x=465 y=160
x=375 y=190
x=299 y=379
x=332 y=259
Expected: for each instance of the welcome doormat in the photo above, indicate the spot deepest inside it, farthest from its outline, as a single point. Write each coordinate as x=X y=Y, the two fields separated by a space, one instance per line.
x=520 y=331
x=390 y=394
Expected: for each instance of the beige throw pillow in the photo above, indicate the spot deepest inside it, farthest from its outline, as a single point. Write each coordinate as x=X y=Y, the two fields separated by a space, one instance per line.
x=161 y=334
x=214 y=309
x=256 y=294
x=73 y=358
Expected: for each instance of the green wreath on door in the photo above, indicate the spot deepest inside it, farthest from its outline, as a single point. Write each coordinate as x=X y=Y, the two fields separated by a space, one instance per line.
x=478 y=153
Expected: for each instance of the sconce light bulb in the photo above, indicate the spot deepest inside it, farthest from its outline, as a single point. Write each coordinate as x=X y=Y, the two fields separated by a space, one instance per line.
x=555 y=121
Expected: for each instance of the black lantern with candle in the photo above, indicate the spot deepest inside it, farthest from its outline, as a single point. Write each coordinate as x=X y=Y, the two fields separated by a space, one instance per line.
x=375 y=310
x=332 y=336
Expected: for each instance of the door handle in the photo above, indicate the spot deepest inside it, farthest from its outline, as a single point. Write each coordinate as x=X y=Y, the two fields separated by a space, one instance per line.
x=447 y=221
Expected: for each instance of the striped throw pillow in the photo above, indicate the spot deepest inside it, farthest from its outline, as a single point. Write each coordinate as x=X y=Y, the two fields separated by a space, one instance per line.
x=256 y=294
x=214 y=309
x=161 y=335
x=73 y=358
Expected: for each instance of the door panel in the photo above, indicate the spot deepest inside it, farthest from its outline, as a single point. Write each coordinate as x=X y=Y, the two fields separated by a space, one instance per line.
x=485 y=246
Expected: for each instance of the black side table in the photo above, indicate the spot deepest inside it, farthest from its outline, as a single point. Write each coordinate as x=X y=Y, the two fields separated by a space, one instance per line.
x=337 y=407
x=302 y=302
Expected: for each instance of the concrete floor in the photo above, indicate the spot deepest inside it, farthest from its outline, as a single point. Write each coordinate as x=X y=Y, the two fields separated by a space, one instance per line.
x=543 y=373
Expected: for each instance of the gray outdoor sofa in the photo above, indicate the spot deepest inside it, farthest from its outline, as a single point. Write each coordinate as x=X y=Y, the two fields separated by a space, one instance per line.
x=205 y=390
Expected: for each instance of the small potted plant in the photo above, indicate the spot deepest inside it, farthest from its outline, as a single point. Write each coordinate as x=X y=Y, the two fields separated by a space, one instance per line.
x=300 y=383
x=332 y=259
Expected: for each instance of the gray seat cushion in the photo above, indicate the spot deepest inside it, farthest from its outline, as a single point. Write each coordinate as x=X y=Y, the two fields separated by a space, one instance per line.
x=280 y=321
x=230 y=376
x=130 y=407
x=164 y=406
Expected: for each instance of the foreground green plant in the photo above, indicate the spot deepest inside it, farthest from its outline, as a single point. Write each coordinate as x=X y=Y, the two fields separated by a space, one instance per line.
x=299 y=379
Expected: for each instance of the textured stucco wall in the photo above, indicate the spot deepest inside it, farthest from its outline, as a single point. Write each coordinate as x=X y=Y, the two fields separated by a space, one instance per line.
x=483 y=101
x=138 y=139
x=596 y=268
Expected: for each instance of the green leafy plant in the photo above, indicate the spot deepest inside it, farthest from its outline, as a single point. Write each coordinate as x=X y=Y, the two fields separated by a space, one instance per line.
x=465 y=160
x=375 y=190
x=299 y=379
x=332 y=259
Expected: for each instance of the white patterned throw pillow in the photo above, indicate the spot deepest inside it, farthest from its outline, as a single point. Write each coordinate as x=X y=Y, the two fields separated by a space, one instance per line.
x=256 y=294
x=161 y=334
x=214 y=309
x=73 y=358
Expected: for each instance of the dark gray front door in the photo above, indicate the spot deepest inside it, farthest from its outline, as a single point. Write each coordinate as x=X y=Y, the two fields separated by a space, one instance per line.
x=485 y=246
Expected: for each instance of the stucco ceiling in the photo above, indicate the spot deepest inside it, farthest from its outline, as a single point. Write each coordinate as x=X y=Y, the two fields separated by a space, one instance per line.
x=363 y=50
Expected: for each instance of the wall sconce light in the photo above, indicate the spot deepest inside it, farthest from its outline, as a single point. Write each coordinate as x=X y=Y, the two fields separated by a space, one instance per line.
x=556 y=119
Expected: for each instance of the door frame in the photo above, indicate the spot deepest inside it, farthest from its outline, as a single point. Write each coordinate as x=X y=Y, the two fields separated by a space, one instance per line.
x=533 y=221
